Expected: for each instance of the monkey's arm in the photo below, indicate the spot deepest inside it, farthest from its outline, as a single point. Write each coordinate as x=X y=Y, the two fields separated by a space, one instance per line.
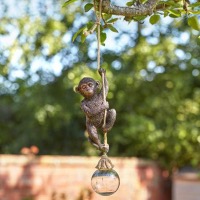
x=85 y=109
x=103 y=72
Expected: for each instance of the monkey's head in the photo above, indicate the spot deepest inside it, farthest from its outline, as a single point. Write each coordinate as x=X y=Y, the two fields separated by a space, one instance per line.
x=87 y=87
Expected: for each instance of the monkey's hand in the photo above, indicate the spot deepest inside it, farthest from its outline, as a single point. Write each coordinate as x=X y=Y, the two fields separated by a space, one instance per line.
x=106 y=104
x=102 y=71
x=85 y=109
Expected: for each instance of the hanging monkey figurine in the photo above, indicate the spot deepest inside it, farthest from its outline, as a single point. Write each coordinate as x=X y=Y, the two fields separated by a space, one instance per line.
x=94 y=107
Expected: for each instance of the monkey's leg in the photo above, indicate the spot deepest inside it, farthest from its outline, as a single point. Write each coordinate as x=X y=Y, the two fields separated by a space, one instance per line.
x=93 y=136
x=94 y=139
x=104 y=148
x=110 y=120
x=94 y=144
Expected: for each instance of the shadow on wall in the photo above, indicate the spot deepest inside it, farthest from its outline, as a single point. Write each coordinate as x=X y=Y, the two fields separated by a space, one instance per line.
x=16 y=182
x=24 y=187
x=17 y=178
x=85 y=194
x=26 y=179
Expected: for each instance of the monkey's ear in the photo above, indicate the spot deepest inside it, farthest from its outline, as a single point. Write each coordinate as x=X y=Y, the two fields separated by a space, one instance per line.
x=98 y=84
x=76 y=89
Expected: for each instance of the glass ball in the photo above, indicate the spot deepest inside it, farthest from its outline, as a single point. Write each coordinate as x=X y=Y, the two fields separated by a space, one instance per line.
x=105 y=182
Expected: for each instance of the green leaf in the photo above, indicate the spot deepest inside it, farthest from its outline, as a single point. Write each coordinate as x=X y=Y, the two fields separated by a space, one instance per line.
x=106 y=16
x=195 y=12
x=113 y=29
x=165 y=13
x=139 y=18
x=194 y=23
x=83 y=37
x=154 y=19
x=103 y=37
x=175 y=12
x=90 y=24
x=170 y=3
x=112 y=20
x=78 y=32
x=68 y=2
x=194 y=4
x=130 y=3
x=173 y=16
x=88 y=7
x=143 y=1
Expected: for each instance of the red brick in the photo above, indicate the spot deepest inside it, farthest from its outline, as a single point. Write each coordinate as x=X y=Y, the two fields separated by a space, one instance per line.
x=68 y=178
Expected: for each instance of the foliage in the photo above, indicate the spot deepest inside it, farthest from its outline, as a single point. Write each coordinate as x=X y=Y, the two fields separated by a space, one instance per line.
x=161 y=117
x=154 y=86
x=166 y=8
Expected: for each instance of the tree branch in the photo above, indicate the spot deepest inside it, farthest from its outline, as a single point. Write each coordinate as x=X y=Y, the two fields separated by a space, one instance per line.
x=137 y=10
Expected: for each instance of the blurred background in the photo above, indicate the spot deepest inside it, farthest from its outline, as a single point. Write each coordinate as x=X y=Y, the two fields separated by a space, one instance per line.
x=153 y=73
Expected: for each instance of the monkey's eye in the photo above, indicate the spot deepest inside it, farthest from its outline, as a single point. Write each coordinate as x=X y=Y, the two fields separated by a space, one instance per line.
x=90 y=84
x=83 y=87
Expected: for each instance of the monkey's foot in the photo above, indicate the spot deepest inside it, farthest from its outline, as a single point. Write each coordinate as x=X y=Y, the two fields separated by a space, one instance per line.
x=104 y=148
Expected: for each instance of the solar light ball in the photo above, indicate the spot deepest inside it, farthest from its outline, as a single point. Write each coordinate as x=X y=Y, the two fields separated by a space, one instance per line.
x=105 y=182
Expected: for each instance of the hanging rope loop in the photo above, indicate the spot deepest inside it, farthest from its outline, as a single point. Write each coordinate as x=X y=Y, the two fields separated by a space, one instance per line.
x=101 y=70
x=98 y=22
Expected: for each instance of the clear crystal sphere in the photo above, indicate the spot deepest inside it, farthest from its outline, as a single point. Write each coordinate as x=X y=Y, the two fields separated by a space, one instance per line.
x=105 y=182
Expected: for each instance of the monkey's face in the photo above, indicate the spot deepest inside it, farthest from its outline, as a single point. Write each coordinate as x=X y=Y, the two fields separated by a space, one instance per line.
x=87 y=87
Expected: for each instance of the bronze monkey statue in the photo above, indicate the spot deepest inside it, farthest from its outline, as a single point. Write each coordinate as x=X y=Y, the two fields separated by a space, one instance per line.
x=93 y=106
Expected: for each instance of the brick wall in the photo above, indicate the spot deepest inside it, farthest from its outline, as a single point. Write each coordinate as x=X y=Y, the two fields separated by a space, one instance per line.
x=68 y=178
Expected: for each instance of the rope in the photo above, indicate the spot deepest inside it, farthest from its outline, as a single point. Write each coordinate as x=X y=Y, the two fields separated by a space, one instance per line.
x=98 y=34
x=98 y=16
x=105 y=112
